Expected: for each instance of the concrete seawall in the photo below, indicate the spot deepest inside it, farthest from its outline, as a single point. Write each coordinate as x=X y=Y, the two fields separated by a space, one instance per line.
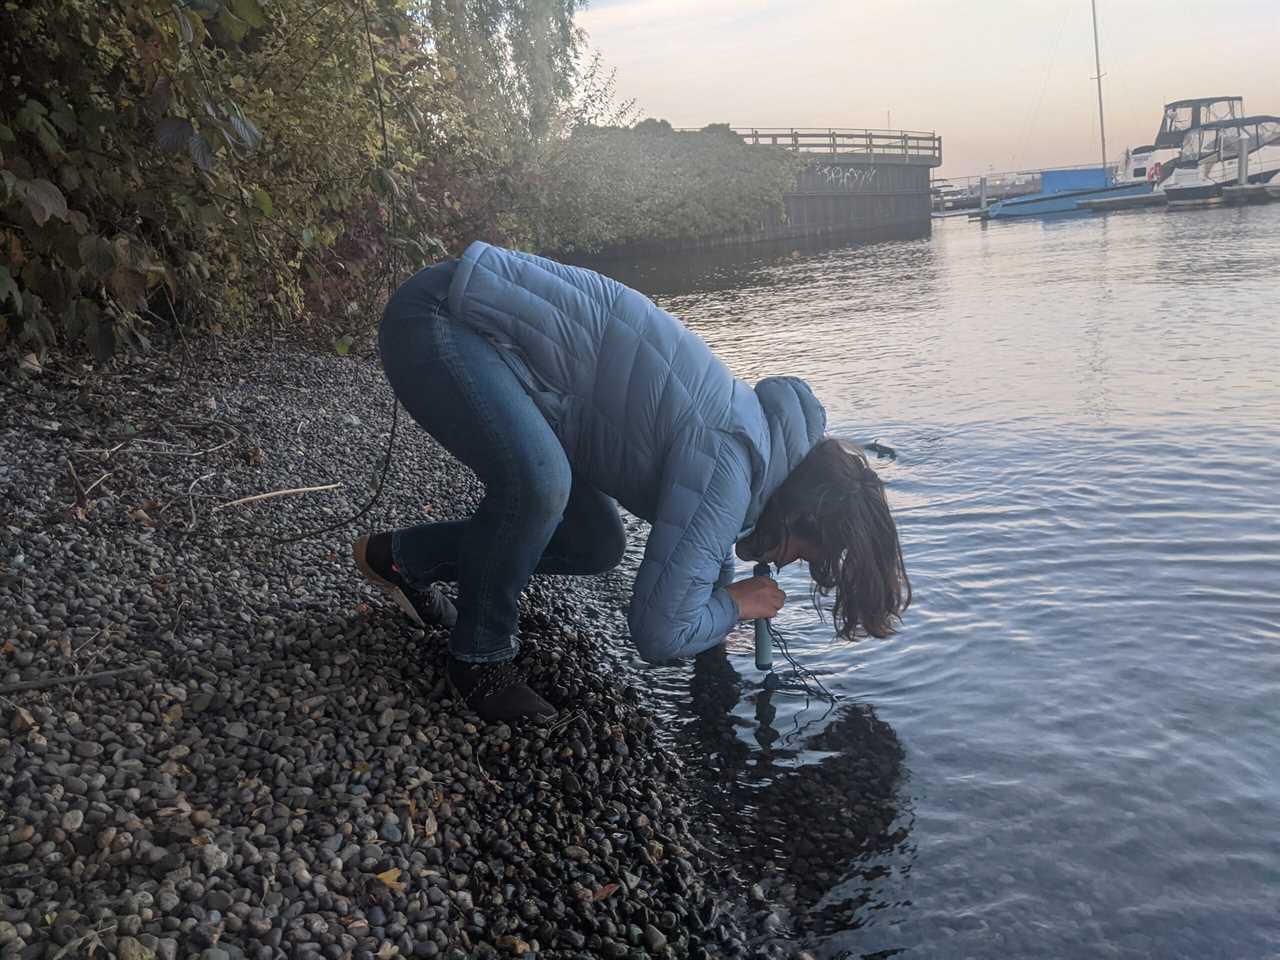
x=855 y=184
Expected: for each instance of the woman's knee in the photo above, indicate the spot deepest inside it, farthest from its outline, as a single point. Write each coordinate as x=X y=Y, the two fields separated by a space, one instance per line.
x=543 y=485
x=596 y=548
x=608 y=547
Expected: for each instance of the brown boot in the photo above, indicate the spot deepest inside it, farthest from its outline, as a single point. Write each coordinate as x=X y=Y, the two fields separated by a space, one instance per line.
x=427 y=607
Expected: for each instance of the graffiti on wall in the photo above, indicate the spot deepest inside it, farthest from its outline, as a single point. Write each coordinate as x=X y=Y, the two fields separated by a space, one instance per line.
x=844 y=178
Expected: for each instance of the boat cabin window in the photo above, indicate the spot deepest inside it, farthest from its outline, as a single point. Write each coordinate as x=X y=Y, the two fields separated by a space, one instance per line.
x=1177 y=119
x=1229 y=141
x=1199 y=143
x=1139 y=172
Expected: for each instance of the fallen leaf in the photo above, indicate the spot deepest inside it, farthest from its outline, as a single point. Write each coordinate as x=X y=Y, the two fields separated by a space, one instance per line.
x=30 y=364
x=23 y=720
x=512 y=944
x=363 y=609
x=8 y=649
x=64 y=646
x=391 y=879
x=200 y=841
x=604 y=892
x=140 y=516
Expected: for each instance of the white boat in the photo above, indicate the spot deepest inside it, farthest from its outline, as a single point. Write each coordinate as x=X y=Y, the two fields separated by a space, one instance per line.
x=1210 y=158
x=1153 y=162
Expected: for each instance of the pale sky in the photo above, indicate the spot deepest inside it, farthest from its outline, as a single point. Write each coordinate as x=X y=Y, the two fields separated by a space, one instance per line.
x=1007 y=83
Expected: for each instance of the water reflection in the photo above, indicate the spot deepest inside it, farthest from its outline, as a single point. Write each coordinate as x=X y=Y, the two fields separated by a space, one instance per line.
x=727 y=269
x=804 y=798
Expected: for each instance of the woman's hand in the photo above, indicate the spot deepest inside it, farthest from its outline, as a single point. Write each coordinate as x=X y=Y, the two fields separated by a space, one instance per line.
x=757 y=597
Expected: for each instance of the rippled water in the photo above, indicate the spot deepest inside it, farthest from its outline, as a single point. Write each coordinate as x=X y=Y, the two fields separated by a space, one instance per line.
x=1086 y=691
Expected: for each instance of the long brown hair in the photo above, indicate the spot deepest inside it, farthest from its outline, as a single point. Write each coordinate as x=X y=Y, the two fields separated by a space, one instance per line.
x=836 y=501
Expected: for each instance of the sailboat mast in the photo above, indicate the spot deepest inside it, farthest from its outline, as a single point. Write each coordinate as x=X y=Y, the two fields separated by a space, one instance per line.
x=1097 y=63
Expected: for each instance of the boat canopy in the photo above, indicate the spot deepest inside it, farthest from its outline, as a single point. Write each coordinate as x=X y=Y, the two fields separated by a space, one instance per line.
x=1222 y=138
x=1180 y=116
x=1072 y=178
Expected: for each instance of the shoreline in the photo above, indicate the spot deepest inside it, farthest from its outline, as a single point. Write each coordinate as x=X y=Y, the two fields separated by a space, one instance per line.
x=286 y=776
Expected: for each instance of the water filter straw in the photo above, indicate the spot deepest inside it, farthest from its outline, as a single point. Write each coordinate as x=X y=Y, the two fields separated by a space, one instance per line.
x=764 y=642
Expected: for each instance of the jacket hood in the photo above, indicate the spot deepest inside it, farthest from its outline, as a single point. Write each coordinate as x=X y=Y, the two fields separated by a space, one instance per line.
x=796 y=421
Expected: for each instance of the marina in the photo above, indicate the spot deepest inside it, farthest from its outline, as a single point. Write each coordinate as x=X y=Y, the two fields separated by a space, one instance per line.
x=1204 y=146
x=1221 y=156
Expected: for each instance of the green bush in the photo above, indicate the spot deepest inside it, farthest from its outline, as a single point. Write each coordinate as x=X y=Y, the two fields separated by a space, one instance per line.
x=610 y=186
x=219 y=158
x=219 y=162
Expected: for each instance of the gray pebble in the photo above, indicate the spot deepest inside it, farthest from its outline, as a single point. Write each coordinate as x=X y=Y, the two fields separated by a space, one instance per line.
x=127 y=948
x=654 y=939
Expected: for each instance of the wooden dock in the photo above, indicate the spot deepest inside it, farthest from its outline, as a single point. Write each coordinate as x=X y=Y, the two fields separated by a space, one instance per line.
x=1249 y=193
x=1124 y=203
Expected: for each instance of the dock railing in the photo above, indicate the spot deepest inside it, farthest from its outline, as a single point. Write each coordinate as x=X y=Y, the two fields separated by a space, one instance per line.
x=913 y=146
x=1011 y=181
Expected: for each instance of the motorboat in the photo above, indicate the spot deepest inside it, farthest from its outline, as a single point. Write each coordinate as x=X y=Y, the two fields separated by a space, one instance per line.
x=1211 y=158
x=1153 y=162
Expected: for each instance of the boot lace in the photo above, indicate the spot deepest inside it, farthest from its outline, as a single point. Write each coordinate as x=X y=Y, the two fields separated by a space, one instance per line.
x=491 y=679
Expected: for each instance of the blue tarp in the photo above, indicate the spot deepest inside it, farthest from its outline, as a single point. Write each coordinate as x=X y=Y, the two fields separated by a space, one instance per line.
x=1055 y=181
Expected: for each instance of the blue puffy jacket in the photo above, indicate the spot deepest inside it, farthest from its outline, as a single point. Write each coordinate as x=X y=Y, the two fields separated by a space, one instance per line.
x=649 y=416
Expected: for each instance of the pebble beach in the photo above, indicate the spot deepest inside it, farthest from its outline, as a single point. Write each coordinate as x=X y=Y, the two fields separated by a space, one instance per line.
x=217 y=745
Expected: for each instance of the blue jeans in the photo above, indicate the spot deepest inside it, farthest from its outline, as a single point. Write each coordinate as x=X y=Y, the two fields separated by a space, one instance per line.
x=535 y=517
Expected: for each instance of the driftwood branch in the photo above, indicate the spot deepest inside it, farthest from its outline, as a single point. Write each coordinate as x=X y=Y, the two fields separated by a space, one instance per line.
x=43 y=682
x=276 y=493
x=75 y=482
x=89 y=489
